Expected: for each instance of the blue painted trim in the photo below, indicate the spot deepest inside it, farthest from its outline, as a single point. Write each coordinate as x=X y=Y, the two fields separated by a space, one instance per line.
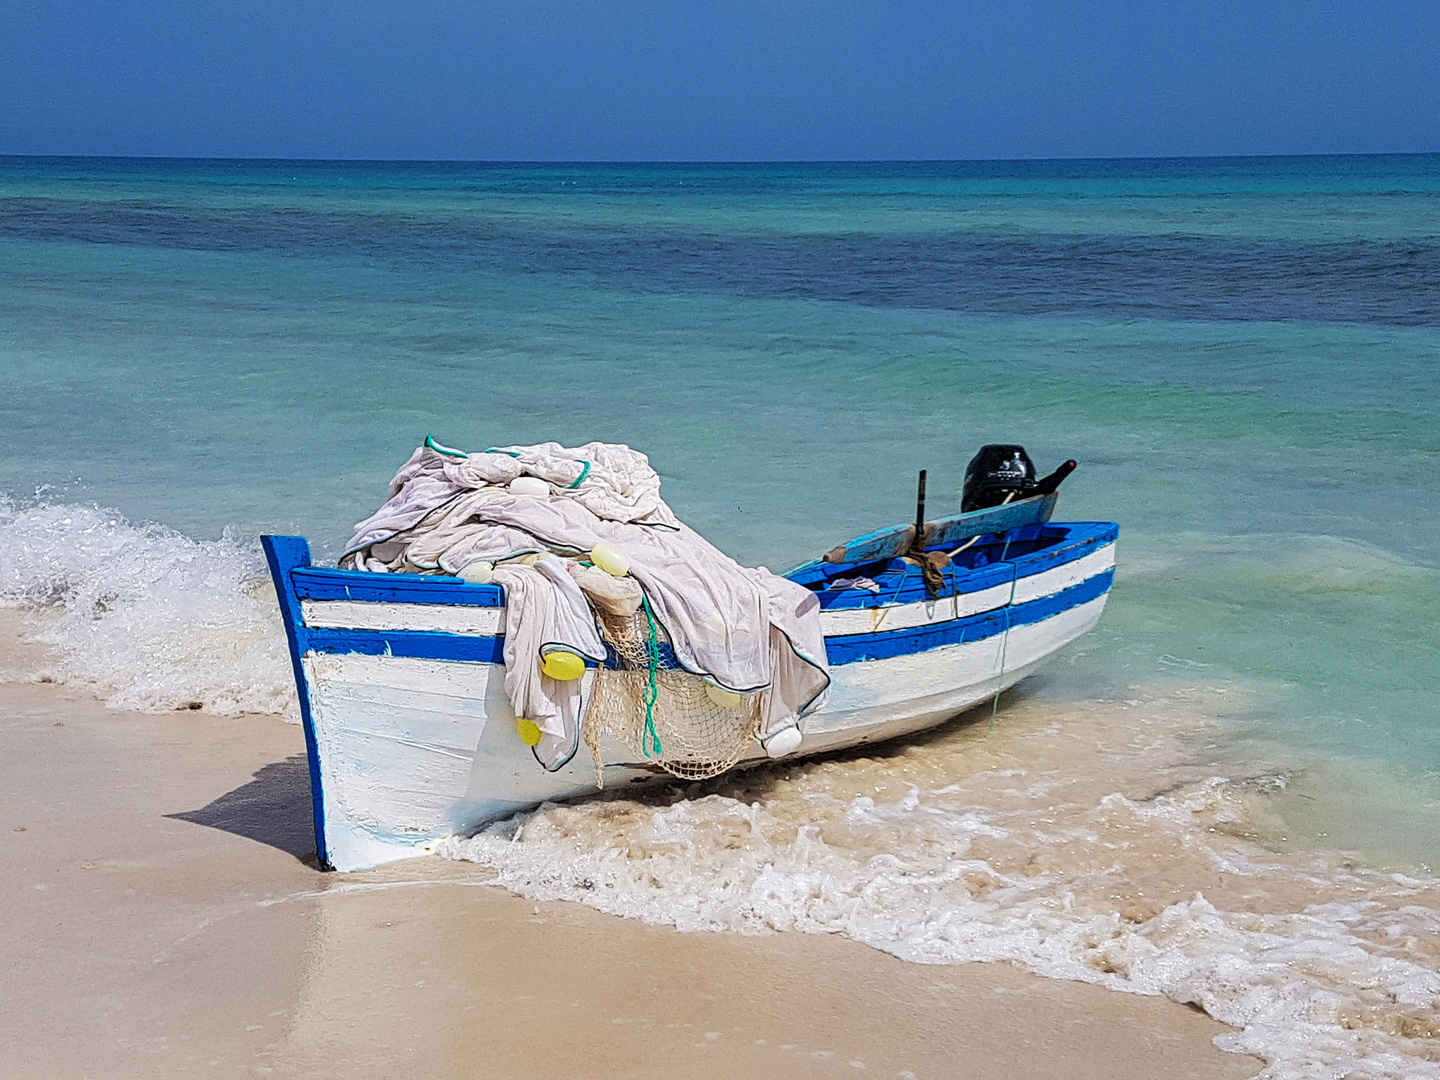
x=323 y=583
x=1078 y=540
x=439 y=645
x=884 y=644
x=284 y=554
x=840 y=649
x=417 y=644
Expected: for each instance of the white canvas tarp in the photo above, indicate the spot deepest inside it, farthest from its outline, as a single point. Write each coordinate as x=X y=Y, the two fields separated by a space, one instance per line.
x=745 y=629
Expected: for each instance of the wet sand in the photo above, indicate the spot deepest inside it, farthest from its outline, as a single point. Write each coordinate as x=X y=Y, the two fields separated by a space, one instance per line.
x=164 y=917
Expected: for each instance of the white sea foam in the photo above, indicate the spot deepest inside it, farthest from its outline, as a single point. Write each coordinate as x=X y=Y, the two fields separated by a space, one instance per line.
x=1008 y=847
x=1081 y=845
x=145 y=617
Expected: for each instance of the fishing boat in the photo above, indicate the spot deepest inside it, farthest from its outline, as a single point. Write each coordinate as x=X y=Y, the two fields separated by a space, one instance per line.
x=411 y=737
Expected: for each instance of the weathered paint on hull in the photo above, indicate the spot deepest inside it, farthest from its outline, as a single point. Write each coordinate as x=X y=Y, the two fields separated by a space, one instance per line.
x=408 y=750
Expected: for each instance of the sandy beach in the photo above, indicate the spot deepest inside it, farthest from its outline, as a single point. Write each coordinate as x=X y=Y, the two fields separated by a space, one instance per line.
x=165 y=918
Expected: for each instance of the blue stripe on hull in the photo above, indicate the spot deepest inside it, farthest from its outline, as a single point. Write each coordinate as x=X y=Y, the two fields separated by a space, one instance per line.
x=417 y=644
x=882 y=645
x=436 y=645
x=324 y=583
x=840 y=650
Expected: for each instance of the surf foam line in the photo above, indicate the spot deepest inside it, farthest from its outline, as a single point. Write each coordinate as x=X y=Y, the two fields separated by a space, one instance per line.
x=143 y=616
x=963 y=848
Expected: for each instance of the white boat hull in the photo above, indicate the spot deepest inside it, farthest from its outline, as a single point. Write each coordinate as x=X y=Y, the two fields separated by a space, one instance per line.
x=406 y=750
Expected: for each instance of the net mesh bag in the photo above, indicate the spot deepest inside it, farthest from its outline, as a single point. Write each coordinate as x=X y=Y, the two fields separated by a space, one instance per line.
x=664 y=716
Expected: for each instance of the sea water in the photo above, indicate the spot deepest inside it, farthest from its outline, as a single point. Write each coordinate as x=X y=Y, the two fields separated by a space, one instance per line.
x=1229 y=792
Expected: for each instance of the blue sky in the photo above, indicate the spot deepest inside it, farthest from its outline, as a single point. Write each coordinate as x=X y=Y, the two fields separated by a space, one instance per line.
x=717 y=79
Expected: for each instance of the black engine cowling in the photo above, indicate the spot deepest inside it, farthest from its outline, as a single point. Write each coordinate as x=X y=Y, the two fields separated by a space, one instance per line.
x=1004 y=473
x=998 y=473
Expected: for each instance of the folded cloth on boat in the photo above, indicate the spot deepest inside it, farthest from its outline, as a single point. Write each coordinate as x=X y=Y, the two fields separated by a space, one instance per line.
x=543 y=607
x=609 y=479
x=745 y=629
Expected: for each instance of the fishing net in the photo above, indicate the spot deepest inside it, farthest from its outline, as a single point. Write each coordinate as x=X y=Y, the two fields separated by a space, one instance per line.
x=664 y=716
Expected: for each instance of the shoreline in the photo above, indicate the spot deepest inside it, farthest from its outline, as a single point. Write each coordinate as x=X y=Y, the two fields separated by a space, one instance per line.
x=164 y=919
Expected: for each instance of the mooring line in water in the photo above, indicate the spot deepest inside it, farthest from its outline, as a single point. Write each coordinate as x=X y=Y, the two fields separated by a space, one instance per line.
x=1004 y=643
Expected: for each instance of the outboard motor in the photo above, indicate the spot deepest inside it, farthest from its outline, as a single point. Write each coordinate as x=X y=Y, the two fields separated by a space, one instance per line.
x=997 y=474
x=1002 y=473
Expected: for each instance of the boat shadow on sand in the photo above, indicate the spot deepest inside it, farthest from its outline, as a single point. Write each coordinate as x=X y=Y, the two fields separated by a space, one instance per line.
x=273 y=808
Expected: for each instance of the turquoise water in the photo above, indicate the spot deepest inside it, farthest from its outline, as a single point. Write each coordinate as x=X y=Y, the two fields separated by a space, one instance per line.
x=1243 y=354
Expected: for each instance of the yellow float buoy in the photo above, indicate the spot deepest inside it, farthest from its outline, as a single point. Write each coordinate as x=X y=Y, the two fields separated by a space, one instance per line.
x=726 y=699
x=529 y=731
x=611 y=559
x=562 y=664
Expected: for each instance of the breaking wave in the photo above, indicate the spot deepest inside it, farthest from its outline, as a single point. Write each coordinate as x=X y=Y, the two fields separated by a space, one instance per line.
x=1080 y=843
x=142 y=616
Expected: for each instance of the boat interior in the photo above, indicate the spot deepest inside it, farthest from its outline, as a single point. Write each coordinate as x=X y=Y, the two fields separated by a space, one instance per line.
x=979 y=563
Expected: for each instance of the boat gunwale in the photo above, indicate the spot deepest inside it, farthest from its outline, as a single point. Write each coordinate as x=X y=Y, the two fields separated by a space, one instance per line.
x=332 y=583
x=1080 y=540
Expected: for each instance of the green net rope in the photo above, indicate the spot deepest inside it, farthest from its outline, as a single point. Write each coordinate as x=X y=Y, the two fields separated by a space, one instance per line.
x=652 y=691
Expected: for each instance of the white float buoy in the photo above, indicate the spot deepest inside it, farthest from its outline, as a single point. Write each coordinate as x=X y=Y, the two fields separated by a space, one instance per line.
x=529 y=485
x=783 y=742
x=479 y=572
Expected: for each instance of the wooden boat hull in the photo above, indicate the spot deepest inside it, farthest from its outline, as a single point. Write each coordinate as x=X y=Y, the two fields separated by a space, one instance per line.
x=411 y=737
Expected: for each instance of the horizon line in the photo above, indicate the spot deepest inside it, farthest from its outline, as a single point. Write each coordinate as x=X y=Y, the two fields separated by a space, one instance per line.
x=710 y=161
